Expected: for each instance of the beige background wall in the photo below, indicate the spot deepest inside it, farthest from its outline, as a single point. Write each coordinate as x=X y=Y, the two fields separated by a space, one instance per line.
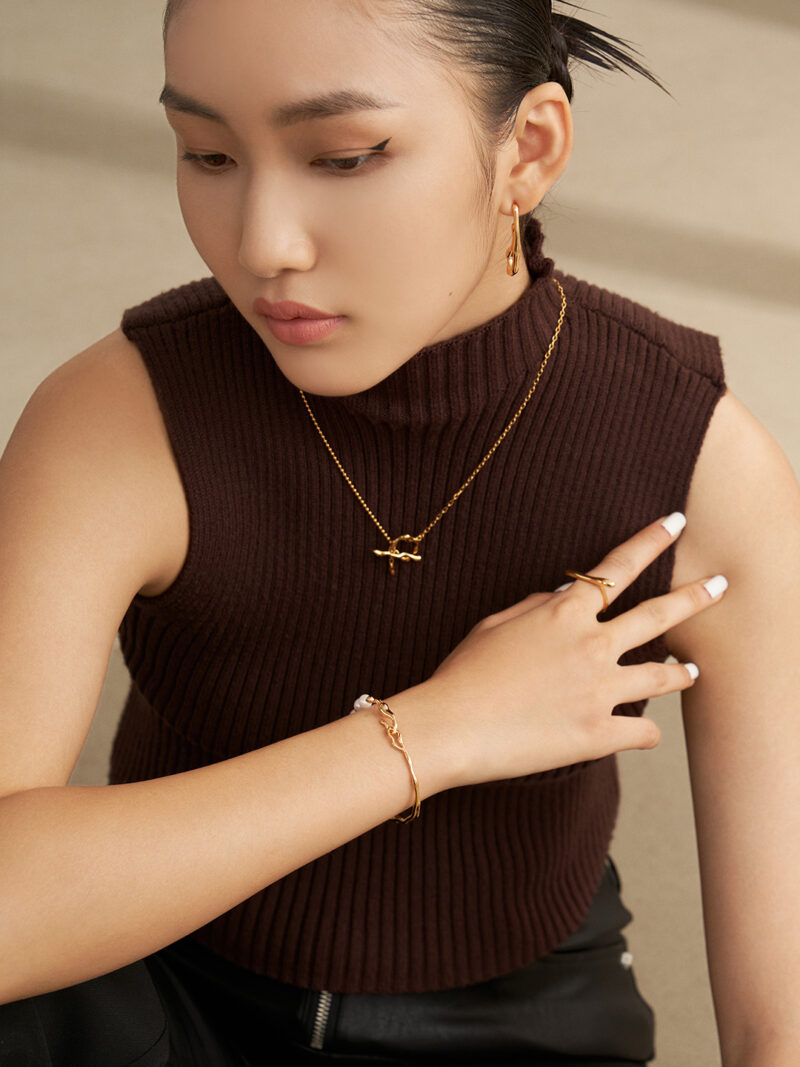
x=685 y=203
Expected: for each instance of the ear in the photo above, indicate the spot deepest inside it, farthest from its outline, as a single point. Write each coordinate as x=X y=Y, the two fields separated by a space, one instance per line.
x=539 y=148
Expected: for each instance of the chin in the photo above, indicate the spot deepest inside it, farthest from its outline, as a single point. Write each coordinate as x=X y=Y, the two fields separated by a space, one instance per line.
x=320 y=381
x=325 y=372
x=316 y=369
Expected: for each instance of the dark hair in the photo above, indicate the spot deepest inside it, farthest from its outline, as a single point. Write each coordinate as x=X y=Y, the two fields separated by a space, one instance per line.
x=509 y=46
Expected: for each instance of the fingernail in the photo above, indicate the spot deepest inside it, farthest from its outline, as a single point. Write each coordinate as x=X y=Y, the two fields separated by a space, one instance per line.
x=694 y=670
x=561 y=588
x=674 y=523
x=716 y=586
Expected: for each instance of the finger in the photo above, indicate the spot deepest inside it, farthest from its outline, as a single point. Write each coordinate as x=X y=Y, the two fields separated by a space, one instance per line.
x=627 y=561
x=641 y=681
x=654 y=617
x=633 y=731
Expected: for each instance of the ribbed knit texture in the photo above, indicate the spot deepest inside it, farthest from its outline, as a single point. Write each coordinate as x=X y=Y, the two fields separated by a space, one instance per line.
x=282 y=615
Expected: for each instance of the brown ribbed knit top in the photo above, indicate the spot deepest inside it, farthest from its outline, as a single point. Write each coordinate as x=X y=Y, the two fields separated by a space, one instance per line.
x=282 y=615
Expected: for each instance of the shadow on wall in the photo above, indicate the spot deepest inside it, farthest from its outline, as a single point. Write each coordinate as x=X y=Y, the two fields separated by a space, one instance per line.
x=756 y=269
x=41 y=119
x=787 y=11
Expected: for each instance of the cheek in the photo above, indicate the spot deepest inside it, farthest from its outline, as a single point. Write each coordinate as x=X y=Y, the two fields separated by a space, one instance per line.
x=210 y=220
x=422 y=243
x=412 y=223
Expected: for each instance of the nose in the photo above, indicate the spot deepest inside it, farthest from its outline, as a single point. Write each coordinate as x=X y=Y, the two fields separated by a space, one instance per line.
x=273 y=235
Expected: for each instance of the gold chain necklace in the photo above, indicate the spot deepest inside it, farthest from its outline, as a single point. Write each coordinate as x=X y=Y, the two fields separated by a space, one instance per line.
x=394 y=553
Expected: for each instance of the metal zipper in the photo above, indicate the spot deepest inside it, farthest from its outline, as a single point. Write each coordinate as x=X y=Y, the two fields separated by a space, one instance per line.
x=321 y=1018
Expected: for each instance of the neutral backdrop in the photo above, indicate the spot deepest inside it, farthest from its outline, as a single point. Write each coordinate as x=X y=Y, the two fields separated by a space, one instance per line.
x=685 y=202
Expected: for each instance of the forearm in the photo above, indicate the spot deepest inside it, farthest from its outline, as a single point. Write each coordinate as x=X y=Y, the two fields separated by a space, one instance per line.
x=752 y=954
x=96 y=877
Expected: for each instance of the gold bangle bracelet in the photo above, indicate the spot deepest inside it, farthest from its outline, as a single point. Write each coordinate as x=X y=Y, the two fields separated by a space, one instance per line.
x=389 y=722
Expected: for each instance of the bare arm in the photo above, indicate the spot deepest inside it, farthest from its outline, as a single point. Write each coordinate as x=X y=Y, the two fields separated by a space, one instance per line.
x=105 y=875
x=742 y=724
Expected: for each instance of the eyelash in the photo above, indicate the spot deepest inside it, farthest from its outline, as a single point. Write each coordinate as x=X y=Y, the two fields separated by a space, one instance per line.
x=202 y=161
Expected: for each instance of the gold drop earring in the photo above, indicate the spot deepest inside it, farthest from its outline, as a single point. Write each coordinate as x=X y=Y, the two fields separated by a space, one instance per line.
x=514 y=251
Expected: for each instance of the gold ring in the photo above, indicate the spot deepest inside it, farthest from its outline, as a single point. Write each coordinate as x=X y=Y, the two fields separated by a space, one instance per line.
x=601 y=583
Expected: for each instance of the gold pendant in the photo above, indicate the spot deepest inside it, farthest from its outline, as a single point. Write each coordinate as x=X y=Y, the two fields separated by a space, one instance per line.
x=394 y=553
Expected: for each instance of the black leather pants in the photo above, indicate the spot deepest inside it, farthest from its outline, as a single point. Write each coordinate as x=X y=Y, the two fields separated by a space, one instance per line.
x=185 y=1007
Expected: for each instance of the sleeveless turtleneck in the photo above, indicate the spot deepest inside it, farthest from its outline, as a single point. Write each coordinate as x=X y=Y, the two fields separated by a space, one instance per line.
x=282 y=615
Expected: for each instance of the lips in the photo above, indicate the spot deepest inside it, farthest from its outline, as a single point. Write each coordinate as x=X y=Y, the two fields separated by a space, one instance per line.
x=289 y=309
x=297 y=324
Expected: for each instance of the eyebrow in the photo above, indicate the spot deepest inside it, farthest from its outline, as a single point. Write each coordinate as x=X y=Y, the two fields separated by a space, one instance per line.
x=322 y=106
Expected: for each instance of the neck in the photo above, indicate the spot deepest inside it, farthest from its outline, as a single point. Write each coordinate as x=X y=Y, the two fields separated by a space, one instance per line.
x=495 y=293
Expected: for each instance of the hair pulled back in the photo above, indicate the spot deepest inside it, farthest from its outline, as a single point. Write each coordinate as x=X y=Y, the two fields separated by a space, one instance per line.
x=509 y=47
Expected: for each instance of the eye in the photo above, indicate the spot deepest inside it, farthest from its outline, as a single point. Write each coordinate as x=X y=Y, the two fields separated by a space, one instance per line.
x=210 y=161
x=352 y=163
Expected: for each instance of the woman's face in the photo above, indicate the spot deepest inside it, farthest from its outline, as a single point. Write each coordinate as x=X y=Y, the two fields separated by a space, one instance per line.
x=372 y=214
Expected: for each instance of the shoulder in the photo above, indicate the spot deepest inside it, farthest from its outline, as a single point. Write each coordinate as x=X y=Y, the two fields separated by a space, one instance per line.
x=106 y=364
x=743 y=510
x=91 y=446
x=104 y=387
x=616 y=320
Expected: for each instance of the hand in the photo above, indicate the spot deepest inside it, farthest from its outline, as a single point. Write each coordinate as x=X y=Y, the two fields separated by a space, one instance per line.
x=532 y=687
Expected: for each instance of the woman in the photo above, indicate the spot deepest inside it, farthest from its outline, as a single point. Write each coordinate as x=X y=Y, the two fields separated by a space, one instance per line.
x=176 y=478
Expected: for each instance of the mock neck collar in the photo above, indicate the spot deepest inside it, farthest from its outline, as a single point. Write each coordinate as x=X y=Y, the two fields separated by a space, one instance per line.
x=452 y=377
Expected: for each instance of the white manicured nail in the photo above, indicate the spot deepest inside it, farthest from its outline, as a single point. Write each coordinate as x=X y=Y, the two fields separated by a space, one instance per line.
x=674 y=523
x=561 y=588
x=716 y=586
x=693 y=670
